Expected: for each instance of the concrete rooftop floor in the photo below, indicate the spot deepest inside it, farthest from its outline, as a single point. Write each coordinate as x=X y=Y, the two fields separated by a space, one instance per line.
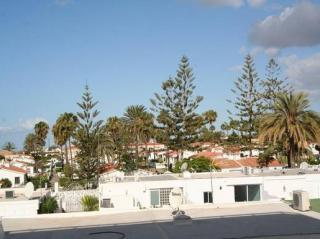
x=276 y=220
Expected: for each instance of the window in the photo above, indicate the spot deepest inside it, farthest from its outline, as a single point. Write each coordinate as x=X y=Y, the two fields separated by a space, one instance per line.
x=244 y=193
x=164 y=196
x=160 y=197
x=155 y=198
x=17 y=180
x=207 y=197
x=106 y=203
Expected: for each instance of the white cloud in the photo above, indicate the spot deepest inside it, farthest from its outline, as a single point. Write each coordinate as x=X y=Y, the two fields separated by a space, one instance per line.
x=295 y=26
x=29 y=123
x=233 y=3
x=303 y=73
x=5 y=129
x=256 y=3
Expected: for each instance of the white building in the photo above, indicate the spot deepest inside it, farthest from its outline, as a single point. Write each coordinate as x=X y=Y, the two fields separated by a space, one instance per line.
x=14 y=174
x=201 y=188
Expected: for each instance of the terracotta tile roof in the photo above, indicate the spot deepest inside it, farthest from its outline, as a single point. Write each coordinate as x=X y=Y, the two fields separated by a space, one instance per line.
x=249 y=162
x=226 y=163
x=14 y=168
x=6 y=152
x=208 y=154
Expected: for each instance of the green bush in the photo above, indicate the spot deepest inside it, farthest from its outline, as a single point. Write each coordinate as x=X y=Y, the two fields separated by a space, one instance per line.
x=5 y=183
x=199 y=164
x=36 y=181
x=64 y=182
x=90 y=203
x=48 y=205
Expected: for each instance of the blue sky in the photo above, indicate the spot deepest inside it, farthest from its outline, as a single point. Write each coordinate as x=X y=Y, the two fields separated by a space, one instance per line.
x=124 y=49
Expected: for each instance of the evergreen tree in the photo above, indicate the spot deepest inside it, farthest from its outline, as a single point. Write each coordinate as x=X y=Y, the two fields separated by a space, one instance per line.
x=272 y=85
x=88 y=137
x=176 y=106
x=9 y=146
x=247 y=102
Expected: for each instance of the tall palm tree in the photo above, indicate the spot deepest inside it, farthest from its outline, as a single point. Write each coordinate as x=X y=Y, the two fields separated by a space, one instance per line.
x=210 y=117
x=64 y=130
x=140 y=123
x=41 y=130
x=291 y=122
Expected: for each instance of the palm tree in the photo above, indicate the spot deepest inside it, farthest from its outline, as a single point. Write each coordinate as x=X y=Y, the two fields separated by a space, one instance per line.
x=64 y=130
x=210 y=117
x=292 y=123
x=41 y=130
x=140 y=123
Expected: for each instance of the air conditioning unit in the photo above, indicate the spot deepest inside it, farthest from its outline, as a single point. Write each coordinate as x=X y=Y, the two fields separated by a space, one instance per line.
x=301 y=200
x=9 y=194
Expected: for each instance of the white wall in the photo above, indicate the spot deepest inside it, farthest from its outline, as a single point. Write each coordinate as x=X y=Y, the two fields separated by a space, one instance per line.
x=11 y=176
x=273 y=188
x=17 y=208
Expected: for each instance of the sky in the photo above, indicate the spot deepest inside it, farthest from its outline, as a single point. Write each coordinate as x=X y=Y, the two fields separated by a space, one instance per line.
x=125 y=49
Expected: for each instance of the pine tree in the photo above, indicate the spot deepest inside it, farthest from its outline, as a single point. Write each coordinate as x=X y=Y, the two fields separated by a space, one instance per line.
x=247 y=102
x=176 y=106
x=272 y=85
x=88 y=137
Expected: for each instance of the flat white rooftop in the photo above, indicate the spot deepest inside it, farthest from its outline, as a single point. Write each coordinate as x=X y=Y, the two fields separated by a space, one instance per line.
x=266 y=173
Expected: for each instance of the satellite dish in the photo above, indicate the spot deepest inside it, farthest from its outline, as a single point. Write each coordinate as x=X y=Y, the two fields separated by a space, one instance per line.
x=184 y=167
x=175 y=198
x=28 y=190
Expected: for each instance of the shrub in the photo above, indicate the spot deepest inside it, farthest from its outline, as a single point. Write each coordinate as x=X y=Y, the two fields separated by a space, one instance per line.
x=64 y=182
x=90 y=203
x=36 y=181
x=5 y=183
x=48 y=205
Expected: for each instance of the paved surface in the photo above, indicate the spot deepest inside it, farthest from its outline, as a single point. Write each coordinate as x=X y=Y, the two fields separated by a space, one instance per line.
x=260 y=221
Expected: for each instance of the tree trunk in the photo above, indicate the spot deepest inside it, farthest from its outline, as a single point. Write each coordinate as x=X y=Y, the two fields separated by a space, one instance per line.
x=61 y=155
x=291 y=153
x=66 y=151
x=70 y=151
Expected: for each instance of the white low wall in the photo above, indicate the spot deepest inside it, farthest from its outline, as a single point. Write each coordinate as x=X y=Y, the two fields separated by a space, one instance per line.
x=17 y=208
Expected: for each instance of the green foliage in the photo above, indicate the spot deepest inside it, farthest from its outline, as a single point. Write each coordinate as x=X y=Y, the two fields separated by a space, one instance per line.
x=128 y=164
x=247 y=101
x=63 y=130
x=90 y=203
x=41 y=130
x=272 y=85
x=266 y=157
x=43 y=179
x=30 y=144
x=65 y=182
x=313 y=160
x=140 y=126
x=5 y=183
x=48 y=205
x=199 y=164
x=176 y=108
x=9 y=146
x=88 y=137
x=291 y=123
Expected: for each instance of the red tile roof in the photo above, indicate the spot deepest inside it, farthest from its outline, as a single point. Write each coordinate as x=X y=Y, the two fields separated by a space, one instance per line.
x=14 y=168
x=208 y=154
x=226 y=163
